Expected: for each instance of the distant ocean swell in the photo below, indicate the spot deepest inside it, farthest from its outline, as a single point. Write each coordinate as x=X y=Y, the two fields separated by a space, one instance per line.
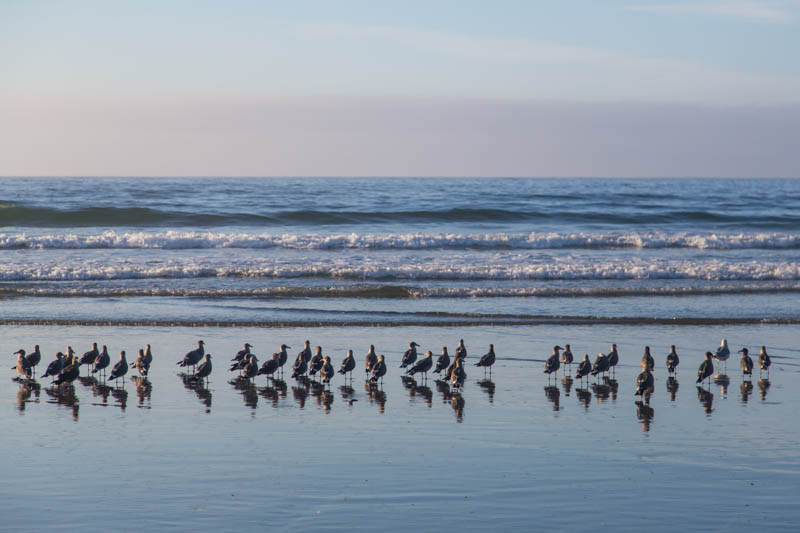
x=188 y=240
x=38 y=216
x=588 y=270
x=393 y=292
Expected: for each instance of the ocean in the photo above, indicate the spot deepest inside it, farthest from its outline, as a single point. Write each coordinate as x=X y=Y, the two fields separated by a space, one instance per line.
x=523 y=264
x=339 y=251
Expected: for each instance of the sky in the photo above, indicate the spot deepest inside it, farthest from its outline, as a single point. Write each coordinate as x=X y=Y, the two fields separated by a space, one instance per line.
x=406 y=88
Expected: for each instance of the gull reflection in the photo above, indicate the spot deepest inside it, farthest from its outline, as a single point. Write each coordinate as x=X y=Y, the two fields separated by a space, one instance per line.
x=27 y=388
x=457 y=403
x=376 y=395
x=566 y=384
x=300 y=391
x=672 y=387
x=706 y=398
x=553 y=394
x=645 y=413
x=326 y=400
x=200 y=388
x=601 y=392
x=488 y=386
x=121 y=397
x=248 y=390
x=270 y=393
x=584 y=397
x=723 y=381
x=443 y=388
x=763 y=387
x=348 y=394
x=747 y=390
x=64 y=395
x=613 y=387
x=143 y=391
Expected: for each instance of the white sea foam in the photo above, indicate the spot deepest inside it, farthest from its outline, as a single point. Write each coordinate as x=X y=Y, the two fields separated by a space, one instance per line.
x=178 y=240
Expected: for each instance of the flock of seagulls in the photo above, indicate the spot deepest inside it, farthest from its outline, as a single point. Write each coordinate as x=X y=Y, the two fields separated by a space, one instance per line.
x=312 y=364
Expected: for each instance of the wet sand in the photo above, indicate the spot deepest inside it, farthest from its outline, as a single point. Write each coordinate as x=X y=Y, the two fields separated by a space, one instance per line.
x=516 y=452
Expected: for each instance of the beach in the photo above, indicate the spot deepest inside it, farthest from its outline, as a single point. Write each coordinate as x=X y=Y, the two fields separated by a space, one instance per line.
x=524 y=265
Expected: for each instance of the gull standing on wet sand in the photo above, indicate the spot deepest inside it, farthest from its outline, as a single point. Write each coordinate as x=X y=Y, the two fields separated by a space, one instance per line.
x=584 y=368
x=326 y=372
x=746 y=363
x=647 y=360
x=553 y=363
x=70 y=372
x=270 y=366
x=706 y=369
x=316 y=362
x=459 y=375
x=723 y=353
x=443 y=361
x=410 y=356
x=34 y=358
x=193 y=357
x=644 y=381
x=348 y=364
x=89 y=357
x=487 y=360
x=305 y=353
x=300 y=367
x=672 y=360
x=120 y=369
x=601 y=364
x=22 y=366
x=242 y=354
x=203 y=371
x=764 y=361
x=283 y=356
x=379 y=370
x=423 y=365
x=613 y=358
x=140 y=365
x=566 y=358
x=54 y=368
x=461 y=350
x=102 y=361
x=370 y=360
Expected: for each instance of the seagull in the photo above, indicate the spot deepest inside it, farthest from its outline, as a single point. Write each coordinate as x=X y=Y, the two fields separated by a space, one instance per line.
x=34 y=358
x=379 y=370
x=250 y=371
x=706 y=368
x=22 y=366
x=54 y=368
x=672 y=360
x=487 y=360
x=370 y=360
x=566 y=357
x=242 y=354
x=203 y=371
x=461 y=350
x=458 y=376
x=326 y=372
x=584 y=367
x=423 y=365
x=601 y=364
x=647 y=360
x=300 y=367
x=723 y=353
x=89 y=357
x=193 y=357
x=316 y=362
x=348 y=364
x=101 y=361
x=443 y=361
x=148 y=356
x=764 y=361
x=644 y=381
x=305 y=353
x=140 y=365
x=70 y=373
x=120 y=369
x=613 y=357
x=410 y=356
x=283 y=356
x=270 y=366
x=746 y=363
x=552 y=364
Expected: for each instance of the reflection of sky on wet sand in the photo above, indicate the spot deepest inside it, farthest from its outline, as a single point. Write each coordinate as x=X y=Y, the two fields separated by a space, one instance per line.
x=497 y=440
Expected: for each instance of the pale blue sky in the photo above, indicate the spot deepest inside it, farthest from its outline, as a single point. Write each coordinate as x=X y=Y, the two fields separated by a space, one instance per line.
x=77 y=75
